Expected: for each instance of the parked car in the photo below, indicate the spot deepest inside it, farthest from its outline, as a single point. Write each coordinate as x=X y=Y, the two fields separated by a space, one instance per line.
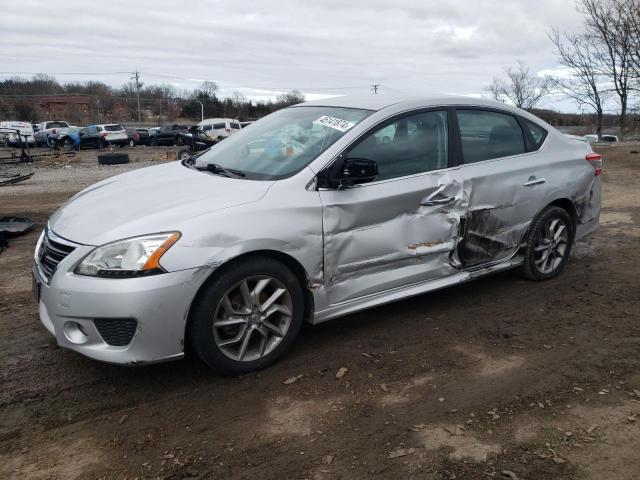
x=609 y=138
x=137 y=136
x=112 y=133
x=591 y=138
x=193 y=141
x=246 y=124
x=168 y=134
x=47 y=128
x=219 y=127
x=16 y=134
x=76 y=138
x=228 y=253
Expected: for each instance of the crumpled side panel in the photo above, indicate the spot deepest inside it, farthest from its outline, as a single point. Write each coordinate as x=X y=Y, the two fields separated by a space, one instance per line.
x=385 y=235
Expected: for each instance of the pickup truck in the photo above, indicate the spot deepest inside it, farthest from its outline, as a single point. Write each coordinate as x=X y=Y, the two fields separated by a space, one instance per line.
x=195 y=140
x=45 y=129
x=168 y=134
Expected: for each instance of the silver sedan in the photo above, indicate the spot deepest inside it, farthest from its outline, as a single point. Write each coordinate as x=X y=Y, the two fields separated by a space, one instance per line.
x=316 y=211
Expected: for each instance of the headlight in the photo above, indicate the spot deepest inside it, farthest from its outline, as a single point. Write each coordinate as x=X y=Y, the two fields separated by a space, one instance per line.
x=132 y=257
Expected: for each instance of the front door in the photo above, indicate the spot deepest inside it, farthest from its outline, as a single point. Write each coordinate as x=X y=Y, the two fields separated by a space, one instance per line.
x=402 y=228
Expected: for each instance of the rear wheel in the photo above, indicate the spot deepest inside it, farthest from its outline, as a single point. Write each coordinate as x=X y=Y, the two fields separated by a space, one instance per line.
x=548 y=244
x=247 y=317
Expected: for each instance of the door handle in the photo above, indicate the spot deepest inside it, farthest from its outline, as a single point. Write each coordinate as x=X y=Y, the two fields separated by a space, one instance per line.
x=437 y=201
x=534 y=181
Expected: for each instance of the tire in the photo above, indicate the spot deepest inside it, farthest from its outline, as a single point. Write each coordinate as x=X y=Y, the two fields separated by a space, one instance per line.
x=179 y=141
x=263 y=345
x=183 y=153
x=101 y=144
x=545 y=258
x=153 y=142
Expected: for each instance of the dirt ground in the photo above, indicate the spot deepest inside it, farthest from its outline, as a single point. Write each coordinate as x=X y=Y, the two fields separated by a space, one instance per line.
x=499 y=378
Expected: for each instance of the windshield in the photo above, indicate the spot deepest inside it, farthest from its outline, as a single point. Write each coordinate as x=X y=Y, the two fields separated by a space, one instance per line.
x=284 y=142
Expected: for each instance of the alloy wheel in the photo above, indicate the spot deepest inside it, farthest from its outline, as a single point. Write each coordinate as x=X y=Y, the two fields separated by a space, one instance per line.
x=252 y=318
x=551 y=245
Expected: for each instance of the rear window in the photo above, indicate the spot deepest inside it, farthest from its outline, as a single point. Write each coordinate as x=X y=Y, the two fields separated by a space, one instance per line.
x=57 y=125
x=207 y=128
x=235 y=126
x=113 y=128
x=538 y=134
x=487 y=135
x=219 y=126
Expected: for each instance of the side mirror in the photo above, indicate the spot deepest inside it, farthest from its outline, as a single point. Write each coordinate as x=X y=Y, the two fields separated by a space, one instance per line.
x=357 y=170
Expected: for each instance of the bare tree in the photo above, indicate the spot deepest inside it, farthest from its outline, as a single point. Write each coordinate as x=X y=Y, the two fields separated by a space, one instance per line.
x=290 y=98
x=611 y=22
x=579 y=53
x=520 y=87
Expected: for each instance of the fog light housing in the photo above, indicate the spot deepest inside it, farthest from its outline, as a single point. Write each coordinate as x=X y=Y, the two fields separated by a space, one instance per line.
x=75 y=333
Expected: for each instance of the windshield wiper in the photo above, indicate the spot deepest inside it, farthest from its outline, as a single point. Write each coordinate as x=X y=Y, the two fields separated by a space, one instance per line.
x=220 y=170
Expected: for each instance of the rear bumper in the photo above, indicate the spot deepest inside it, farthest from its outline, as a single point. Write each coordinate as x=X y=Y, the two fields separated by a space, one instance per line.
x=159 y=304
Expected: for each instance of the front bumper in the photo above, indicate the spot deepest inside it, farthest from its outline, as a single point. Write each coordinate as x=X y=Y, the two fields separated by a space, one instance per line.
x=159 y=304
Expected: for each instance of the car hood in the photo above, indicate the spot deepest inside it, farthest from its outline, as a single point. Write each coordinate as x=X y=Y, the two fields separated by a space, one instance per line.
x=149 y=200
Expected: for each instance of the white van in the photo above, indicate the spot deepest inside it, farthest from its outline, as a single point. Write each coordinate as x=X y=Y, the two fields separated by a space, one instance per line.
x=219 y=127
x=9 y=136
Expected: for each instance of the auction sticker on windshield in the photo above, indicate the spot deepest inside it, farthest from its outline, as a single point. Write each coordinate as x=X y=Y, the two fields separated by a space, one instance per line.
x=333 y=122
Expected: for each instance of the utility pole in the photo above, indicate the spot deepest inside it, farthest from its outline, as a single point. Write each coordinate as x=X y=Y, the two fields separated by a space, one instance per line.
x=136 y=76
x=375 y=88
x=201 y=110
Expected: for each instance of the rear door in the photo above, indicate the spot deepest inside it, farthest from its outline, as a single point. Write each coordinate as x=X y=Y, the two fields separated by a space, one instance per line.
x=504 y=182
x=402 y=228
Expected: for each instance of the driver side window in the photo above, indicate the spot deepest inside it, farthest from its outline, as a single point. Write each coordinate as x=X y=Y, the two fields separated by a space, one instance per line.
x=412 y=144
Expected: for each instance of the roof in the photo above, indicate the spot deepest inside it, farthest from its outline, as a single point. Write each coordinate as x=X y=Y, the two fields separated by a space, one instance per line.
x=381 y=101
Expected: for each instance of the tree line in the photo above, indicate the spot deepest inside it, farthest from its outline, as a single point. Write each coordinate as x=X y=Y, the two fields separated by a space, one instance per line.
x=601 y=63
x=19 y=98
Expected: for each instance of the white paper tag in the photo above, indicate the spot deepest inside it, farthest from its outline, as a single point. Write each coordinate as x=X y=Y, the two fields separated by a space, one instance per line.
x=333 y=122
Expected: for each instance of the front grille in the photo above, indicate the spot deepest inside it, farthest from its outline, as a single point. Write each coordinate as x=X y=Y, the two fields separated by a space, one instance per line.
x=51 y=253
x=117 y=332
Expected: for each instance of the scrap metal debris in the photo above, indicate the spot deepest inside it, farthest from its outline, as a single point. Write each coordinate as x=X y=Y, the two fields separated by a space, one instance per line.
x=15 y=178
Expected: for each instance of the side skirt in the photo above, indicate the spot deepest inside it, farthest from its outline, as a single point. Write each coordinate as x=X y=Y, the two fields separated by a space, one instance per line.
x=363 y=303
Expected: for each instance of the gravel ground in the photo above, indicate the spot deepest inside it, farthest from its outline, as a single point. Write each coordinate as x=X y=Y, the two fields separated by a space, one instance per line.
x=499 y=378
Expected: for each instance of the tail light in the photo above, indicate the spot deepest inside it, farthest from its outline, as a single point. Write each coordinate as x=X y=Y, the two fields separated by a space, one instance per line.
x=53 y=131
x=227 y=130
x=103 y=134
x=595 y=159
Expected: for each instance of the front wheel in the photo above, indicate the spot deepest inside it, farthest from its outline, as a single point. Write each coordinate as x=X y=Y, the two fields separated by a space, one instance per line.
x=548 y=244
x=247 y=316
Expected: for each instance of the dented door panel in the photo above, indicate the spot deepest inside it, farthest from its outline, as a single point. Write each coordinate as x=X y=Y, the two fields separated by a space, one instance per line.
x=391 y=234
x=504 y=195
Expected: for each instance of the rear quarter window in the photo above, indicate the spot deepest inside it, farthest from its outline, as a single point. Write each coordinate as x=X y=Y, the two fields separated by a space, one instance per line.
x=219 y=126
x=538 y=134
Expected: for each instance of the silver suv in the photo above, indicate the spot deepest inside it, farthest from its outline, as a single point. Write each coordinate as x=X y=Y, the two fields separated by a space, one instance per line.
x=316 y=211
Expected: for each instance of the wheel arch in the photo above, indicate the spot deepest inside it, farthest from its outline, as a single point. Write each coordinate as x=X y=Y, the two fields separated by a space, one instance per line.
x=568 y=206
x=286 y=259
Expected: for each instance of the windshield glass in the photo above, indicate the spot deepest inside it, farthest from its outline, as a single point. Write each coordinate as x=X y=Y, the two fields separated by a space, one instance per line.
x=284 y=142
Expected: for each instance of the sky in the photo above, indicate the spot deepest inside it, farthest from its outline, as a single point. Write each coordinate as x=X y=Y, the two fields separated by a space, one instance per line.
x=260 y=48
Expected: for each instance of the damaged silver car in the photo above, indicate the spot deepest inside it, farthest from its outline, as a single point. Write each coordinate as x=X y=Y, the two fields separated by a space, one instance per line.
x=316 y=211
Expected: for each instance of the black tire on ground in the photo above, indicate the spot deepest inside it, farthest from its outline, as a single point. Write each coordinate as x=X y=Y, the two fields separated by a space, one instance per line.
x=101 y=144
x=530 y=269
x=200 y=332
x=113 y=159
x=178 y=141
x=183 y=153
